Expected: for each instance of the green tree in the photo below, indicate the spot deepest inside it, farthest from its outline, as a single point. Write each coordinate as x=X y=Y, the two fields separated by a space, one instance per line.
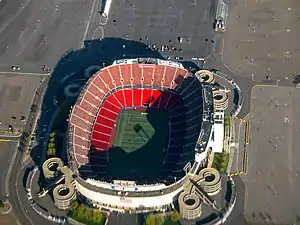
x=80 y=212
x=88 y=214
x=74 y=205
x=150 y=219
x=175 y=216
x=296 y=79
x=97 y=216
x=159 y=220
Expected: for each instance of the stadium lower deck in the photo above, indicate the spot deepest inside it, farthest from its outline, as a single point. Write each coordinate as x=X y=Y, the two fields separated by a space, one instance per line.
x=146 y=141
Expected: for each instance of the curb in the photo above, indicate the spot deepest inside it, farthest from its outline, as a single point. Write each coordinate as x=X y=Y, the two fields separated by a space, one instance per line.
x=11 y=136
x=8 y=211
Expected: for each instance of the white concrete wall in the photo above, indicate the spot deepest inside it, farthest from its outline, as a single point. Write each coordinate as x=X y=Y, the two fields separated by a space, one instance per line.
x=123 y=201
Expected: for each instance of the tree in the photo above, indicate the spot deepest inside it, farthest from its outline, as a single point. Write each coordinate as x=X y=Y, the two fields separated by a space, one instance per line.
x=88 y=214
x=80 y=212
x=175 y=216
x=296 y=79
x=150 y=219
x=74 y=205
x=159 y=220
x=97 y=216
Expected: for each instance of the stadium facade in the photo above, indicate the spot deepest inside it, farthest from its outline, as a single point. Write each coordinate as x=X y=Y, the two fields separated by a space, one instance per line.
x=131 y=83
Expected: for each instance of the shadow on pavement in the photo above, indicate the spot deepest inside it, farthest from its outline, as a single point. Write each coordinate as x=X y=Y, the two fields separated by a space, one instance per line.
x=74 y=69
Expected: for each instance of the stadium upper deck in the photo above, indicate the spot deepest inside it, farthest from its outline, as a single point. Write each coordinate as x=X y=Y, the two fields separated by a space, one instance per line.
x=132 y=78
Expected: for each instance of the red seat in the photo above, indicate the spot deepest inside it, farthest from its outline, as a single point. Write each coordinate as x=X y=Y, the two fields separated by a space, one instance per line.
x=136 y=73
x=88 y=106
x=100 y=136
x=80 y=158
x=107 y=113
x=148 y=73
x=114 y=100
x=106 y=78
x=146 y=96
x=137 y=97
x=155 y=98
x=103 y=127
x=91 y=98
x=82 y=113
x=179 y=76
x=111 y=106
x=115 y=73
x=169 y=76
x=80 y=132
x=117 y=98
x=81 y=142
x=99 y=144
x=101 y=84
x=128 y=97
x=126 y=73
x=97 y=89
x=80 y=122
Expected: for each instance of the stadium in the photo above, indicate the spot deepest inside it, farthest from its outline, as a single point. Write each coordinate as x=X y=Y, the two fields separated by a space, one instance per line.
x=138 y=130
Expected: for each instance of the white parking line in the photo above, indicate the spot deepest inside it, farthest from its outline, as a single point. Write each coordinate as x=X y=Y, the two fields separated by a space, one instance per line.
x=27 y=74
x=88 y=25
x=102 y=33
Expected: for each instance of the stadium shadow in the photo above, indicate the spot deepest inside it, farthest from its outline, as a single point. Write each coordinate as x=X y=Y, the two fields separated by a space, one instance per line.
x=71 y=73
x=191 y=66
x=143 y=164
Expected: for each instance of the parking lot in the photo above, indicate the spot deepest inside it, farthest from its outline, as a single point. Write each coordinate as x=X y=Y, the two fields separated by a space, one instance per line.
x=39 y=32
x=273 y=157
x=16 y=93
x=161 y=22
x=261 y=40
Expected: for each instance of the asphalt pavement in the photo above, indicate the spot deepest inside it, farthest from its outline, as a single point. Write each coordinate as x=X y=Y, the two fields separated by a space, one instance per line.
x=16 y=192
x=34 y=33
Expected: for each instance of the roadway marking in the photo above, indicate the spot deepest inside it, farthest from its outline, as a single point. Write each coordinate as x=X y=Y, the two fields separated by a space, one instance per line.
x=267 y=85
x=102 y=32
x=18 y=195
x=15 y=16
x=7 y=140
x=27 y=74
x=89 y=22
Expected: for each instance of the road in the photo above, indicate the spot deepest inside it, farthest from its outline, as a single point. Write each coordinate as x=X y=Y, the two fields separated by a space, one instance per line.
x=16 y=192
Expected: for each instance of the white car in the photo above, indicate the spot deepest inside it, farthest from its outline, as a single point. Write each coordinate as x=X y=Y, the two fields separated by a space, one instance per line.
x=220 y=25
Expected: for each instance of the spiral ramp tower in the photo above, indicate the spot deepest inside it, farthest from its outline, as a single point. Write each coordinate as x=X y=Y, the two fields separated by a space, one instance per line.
x=220 y=98
x=210 y=181
x=63 y=195
x=205 y=76
x=51 y=167
x=190 y=205
x=200 y=189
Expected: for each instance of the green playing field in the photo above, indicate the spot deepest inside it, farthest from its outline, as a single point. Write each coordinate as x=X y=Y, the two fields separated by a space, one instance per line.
x=139 y=144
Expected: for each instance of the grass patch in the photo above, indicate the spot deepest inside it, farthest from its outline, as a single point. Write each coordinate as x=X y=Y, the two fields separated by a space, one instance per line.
x=84 y=214
x=157 y=219
x=220 y=162
x=226 y=123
